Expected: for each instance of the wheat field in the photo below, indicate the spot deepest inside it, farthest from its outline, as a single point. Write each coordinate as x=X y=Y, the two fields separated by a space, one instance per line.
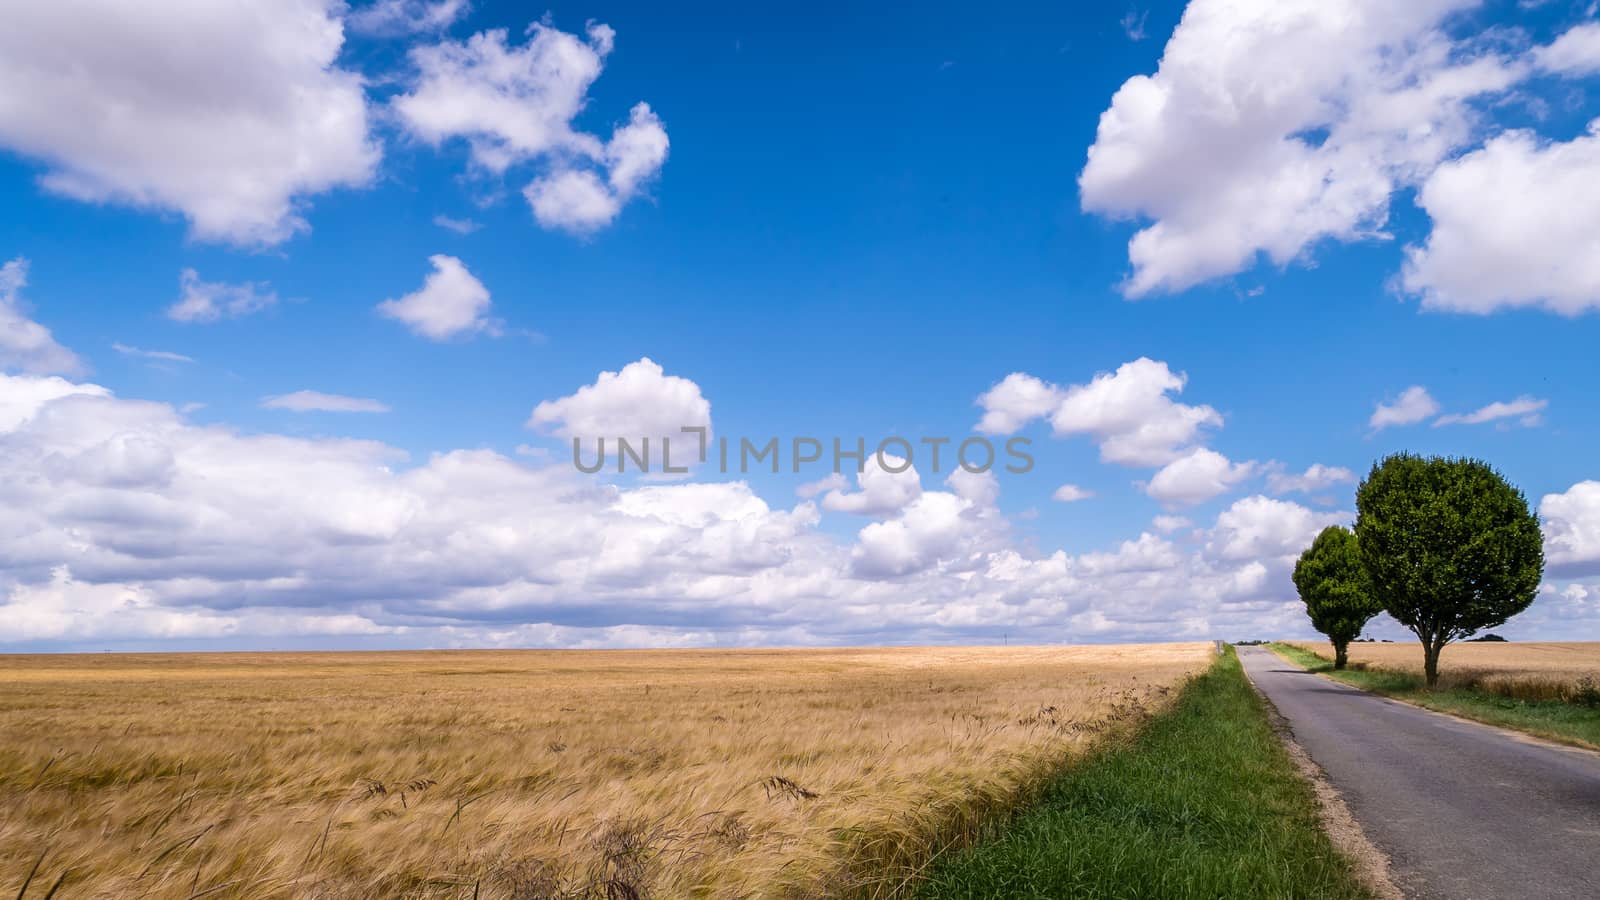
x=1553 y=670
x=618 y=774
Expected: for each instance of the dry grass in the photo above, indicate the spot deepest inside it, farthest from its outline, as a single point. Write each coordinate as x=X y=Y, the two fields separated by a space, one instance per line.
x=1568 y=671
x=536 y=774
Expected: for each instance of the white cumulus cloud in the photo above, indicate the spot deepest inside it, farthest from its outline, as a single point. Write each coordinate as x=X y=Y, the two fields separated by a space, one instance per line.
x=1197 y=477
x=1412 y=406
x=580 y=200
x=451 y=303
x=883 y=489
x=1515 y=224
x=1270 y=125
x=1018 y=399
x=1130 y=413
x=232 y=115
x=516 y=104
x=1571 y=522
x=1071 y=493
x=937 y=528
x=1266 y=529
x=25 y=345
x=640 y=401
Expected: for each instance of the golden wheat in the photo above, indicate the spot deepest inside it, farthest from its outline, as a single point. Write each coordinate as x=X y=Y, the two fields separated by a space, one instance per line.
x=536 y=774
x=1568 y=670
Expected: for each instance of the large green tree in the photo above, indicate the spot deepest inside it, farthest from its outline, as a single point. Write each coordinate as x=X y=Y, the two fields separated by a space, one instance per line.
x=1333 y=585
x=1449 y=547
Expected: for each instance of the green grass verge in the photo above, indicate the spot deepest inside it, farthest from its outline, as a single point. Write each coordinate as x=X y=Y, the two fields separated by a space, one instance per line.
x=1203 y=802
x=1565 y=722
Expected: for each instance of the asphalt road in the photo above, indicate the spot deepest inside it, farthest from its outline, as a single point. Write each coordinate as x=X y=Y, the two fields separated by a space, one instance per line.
x=1463 y=810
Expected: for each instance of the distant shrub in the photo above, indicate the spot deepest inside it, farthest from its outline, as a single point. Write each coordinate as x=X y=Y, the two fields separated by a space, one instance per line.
x=1587 y=694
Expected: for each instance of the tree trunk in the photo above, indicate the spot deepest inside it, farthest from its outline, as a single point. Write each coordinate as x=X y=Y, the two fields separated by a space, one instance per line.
x=1341 y=654
x=1430 y=663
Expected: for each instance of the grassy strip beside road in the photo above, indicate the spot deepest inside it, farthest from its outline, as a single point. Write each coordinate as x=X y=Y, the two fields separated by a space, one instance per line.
x=1203 y=802
x=1554 y=719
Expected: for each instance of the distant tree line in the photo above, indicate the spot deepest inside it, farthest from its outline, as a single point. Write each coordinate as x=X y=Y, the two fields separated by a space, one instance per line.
x=1445 y=546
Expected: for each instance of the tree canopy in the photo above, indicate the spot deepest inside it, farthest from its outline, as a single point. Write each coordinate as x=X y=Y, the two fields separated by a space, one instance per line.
x=1333 y=585
x=1449 y=547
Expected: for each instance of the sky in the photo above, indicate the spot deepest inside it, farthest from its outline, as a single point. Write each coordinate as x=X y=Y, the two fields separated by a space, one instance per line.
x=305 y=306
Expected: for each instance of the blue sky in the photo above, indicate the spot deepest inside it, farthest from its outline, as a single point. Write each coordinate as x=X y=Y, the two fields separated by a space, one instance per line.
x=847 y=223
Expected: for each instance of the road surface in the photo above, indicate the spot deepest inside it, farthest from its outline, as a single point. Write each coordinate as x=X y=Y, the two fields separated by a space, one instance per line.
x=1464 y=811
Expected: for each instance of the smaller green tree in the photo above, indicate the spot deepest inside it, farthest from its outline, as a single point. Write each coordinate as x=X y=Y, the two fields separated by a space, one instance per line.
x=1334 y=588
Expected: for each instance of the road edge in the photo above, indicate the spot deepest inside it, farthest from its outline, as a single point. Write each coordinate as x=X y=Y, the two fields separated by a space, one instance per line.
x=1515 y=734
x=1369 y=863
